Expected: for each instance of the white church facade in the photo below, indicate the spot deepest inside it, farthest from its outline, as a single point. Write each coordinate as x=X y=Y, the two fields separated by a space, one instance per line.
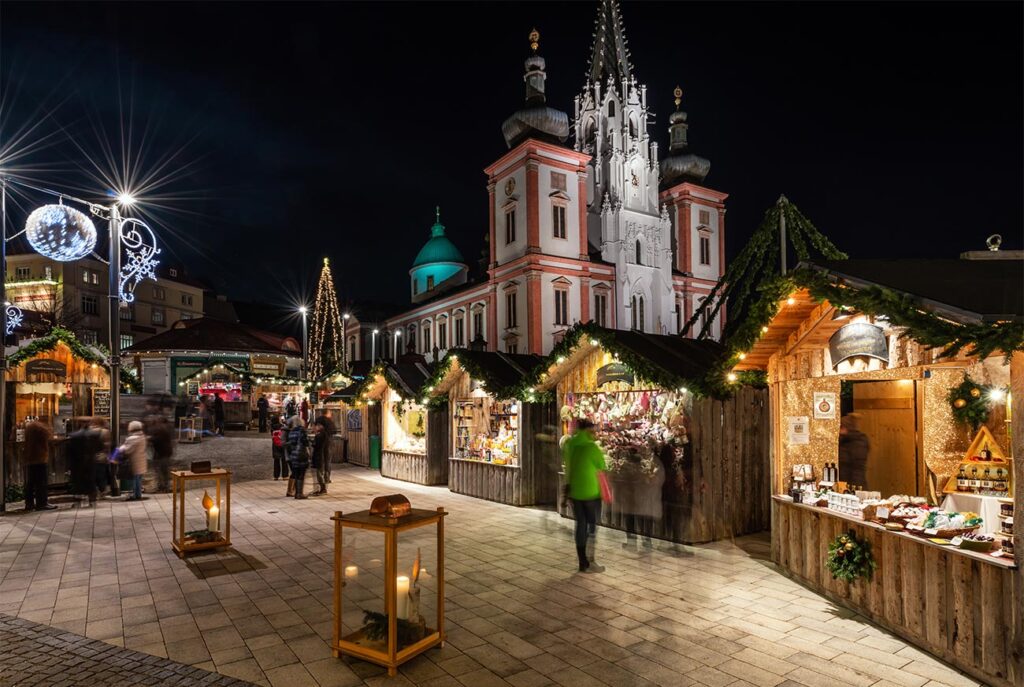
x=586 y=224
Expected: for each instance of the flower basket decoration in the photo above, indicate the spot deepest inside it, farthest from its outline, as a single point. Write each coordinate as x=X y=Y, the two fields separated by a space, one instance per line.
x=849 y=558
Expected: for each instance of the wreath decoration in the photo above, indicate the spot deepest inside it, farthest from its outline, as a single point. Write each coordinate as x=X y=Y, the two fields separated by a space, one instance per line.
x=969 y=402
x=850 y=558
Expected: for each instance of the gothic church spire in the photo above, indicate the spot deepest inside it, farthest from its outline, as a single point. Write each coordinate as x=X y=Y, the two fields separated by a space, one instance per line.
x=609 y=58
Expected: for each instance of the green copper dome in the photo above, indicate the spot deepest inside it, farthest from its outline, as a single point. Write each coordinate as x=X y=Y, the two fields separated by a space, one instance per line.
x=438 y=249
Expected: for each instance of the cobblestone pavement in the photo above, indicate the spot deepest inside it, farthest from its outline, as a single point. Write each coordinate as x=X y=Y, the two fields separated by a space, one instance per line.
x=246 y=454
x=518 y=613
x=34 y=654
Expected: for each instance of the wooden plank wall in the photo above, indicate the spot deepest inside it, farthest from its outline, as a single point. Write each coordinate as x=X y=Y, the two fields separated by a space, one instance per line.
x=358 y=441
x=430 y=468
x=408 y=467
x=488 y=481
x=726 y=489
x=956 y=607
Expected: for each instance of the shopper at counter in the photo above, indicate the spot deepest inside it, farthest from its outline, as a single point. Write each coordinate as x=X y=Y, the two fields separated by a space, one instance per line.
x=583 y=460
x=37 y=455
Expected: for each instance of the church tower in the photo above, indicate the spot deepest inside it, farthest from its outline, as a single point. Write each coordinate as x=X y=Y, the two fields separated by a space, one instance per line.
x=624 y=220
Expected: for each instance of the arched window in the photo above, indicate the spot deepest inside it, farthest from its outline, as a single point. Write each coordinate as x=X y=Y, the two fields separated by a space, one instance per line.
x=590 y=133
x=639 y=253
x=632 y=126
x=632 y=310
x=611 y=108
x=640 y=316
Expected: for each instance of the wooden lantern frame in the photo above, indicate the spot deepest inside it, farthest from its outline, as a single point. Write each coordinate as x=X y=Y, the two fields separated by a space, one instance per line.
x=179 y=483
x=391 y=528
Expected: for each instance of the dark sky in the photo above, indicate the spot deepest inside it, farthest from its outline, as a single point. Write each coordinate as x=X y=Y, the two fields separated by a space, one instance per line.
x=333 y=129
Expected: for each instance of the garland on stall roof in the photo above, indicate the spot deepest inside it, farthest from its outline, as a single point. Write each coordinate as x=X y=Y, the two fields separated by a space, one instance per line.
x=245 y=374
x=850 y=558
x=391 y=379
x=475 y=371
x=45 y=344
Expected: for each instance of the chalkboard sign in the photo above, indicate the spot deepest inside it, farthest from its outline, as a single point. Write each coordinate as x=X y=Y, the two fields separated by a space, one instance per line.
x=192 y=388
x=101 y=401
x=355 y=421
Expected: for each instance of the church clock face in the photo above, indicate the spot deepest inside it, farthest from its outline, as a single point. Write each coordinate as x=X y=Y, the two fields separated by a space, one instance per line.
x=510 y=187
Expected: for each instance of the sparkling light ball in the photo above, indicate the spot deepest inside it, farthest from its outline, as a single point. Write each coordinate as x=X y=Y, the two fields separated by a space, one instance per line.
x=61 y=233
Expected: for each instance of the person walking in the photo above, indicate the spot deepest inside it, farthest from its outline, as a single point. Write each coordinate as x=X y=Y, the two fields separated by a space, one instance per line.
x=583 y=460
x=133 y=452
x=298 y=453
x=289 y=408
x=304 y=410
x=37 y=456
x=327 y=420
x=263 y=410
x=161 y=440
x=218 y=414
x=101 y=461
x=320 y=458
x=278 y=441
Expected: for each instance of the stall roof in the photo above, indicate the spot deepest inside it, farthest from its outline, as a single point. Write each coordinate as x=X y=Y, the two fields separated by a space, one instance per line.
x=207 y=334
x=667 y=357
x=358 y=371
x=500 y=372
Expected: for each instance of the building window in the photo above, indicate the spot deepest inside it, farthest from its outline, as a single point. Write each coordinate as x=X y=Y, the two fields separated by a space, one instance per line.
x=22 y=273
x=186 y=315
x=639 y=253
x=611 y=108
x=442 y=335
x=459 y=332
x=89 y=305
x=600 y=309
x=410 y=344
x=558 y=221
x=90 y=277
x=90 y=337
x=704 y=218
x=127 y=340
x=558 y=181
x=512 y=347
x=638 y=313
x=705 y=250
x=126 y=312
x=159 y=293
x=186 y=299
x=478 y=324
x=172 y=272
x=430 y=282
x=510 y=226
x=426 y=338
x=561 y=306
x=703 y=314
x=510 y=310
x=158 y=316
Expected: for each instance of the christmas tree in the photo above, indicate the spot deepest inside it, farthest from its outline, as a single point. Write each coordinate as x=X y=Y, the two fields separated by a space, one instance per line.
x=326 y=348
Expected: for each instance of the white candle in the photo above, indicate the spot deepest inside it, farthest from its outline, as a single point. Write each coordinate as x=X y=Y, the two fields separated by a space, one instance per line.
x=402 y=606
x=213 y=519
x=351 y=571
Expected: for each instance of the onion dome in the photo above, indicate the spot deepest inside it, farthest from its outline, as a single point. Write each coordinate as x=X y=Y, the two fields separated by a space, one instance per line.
x=681 y=165
x=439 y=248
x=535 y=119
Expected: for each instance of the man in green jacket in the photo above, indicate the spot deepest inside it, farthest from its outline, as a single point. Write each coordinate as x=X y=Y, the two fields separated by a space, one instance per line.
x=583 y=459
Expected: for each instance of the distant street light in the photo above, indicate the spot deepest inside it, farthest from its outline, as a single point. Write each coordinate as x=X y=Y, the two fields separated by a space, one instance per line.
x=373 y=347
x=344 y=342
x=305 y=343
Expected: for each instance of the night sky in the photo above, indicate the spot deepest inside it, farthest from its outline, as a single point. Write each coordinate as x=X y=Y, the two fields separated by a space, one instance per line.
x=334 y=129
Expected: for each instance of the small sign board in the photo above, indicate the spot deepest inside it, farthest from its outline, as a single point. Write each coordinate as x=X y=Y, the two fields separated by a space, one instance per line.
x=101 y=402
x=355 y=421
x=192 y=388
x=46 y=366
x=798 y=432
x=614 y=372
x=824 y=405
x=858 y=339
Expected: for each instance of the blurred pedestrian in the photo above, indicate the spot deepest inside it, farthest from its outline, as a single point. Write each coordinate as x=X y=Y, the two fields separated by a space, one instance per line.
x=304 y=411
x=583 y=460
x=101 y=461
x=81 y=448
x=37 y=456
x=278 y=441
x=161 y=440
x=263 y=410
x=320 y=457
x=218 y=414
x=133 y=453
x=289 y=408
x=298 y=453
x=330 y=429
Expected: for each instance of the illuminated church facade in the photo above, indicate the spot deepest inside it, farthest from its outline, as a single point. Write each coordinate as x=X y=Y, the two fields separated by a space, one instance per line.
x=586 y=222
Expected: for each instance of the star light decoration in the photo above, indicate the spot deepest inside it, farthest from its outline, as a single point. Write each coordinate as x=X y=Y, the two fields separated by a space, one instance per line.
x=60 y=233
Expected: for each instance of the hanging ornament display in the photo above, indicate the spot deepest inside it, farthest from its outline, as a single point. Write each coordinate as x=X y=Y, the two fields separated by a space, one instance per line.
x=975 y=392
x=60 y=233
x=326 y=348
x=959 y=403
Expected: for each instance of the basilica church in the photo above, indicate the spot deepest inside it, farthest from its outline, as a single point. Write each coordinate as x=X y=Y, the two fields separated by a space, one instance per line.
x=587 y=222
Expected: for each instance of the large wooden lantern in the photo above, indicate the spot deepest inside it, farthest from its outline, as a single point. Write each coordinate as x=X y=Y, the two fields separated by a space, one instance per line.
x=388 y=582
x=200 y=521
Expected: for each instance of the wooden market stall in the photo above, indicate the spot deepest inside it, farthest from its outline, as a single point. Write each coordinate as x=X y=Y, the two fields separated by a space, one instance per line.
x=501 y=447
x=62 y=383
x=872 y=415
x=356 y=419
x=239 y=388
x=414 y=436
x=682 y=466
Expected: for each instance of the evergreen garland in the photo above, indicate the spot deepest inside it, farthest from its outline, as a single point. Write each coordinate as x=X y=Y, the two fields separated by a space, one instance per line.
x=45 y=344
x=493 y=386
x=850 y=558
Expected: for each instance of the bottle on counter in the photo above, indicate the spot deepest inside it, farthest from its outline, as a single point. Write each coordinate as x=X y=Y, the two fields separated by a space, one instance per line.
x=962 y=483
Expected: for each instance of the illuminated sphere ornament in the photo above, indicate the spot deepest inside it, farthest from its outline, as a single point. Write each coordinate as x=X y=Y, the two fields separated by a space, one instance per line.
x=959 y=403
x=976 y=392
x=60 y=233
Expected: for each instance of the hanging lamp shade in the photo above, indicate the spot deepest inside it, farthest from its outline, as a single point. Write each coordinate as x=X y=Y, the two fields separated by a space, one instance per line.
x=60 y=233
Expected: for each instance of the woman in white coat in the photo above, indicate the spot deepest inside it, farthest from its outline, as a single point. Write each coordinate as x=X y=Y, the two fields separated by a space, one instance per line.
x=133 y=452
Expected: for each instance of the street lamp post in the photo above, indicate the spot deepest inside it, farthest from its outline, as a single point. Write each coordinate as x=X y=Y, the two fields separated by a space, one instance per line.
x=344 y=342
x=394 y=348
x=305 y=344
x=373 y=348
x=114 y=328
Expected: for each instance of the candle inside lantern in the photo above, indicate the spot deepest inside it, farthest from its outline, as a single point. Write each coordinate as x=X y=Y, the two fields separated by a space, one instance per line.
x=402 y=605
x=351 y=571
x=213 y=519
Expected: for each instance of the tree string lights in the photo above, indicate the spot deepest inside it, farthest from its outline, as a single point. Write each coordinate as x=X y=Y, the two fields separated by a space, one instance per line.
x=326 y=346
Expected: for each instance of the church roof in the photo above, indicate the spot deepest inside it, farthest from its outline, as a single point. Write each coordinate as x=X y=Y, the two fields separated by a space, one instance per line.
x=609 y=57
x=438 y=249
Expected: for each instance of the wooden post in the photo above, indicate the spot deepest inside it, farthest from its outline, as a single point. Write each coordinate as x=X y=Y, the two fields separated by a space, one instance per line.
x=227 y=503
x=337 y=583
x=1016 y=662
x=440 y=574
x=390 y=594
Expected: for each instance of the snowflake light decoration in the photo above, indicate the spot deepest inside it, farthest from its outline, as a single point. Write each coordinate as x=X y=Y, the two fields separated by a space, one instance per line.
x=14 y=318
x=60 y=233
x=140 y=261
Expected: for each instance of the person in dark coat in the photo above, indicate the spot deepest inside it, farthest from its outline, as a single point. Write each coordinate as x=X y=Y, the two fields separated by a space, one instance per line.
x=320 y=458
x=82 y=447
x=218 y=414
x=37 y=456
x=853 y=452
x=263 y=409
x=161 y=440
x=298 y=453
x=327 y=420
x=278 y=442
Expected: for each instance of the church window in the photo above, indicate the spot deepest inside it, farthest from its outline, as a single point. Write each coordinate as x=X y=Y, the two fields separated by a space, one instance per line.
x=703 y=313
x=442 y=335
x=590 y=133
x=562 y=306
x=510 y=310
x=459 y=332
x=679 y=317
x=512 y=347
x=430 y=282
x=510 y=226
x=640 y=316
x=558 y=221
x=632 y=311
x=611 y=108
x=704 y=217
x=632 y=126
x=426 y=338
x=478 y=324
x=557 y=181
x=705 y=250
x=600 y=309
x=639 y=253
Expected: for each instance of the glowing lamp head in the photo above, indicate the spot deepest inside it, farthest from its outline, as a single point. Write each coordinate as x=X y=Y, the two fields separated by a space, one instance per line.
x=302 y=309
x=346 y=316
x=764 y=330
x=376 y=332
x=60 y=233
x=125 y=198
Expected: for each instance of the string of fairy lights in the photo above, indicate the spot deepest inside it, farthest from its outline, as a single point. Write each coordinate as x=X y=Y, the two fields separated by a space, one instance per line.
x=326 y=350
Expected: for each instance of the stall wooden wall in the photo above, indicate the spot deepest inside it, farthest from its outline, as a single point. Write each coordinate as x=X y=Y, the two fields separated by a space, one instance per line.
x=358 y=441
x=726 y=477
x=954 y=606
